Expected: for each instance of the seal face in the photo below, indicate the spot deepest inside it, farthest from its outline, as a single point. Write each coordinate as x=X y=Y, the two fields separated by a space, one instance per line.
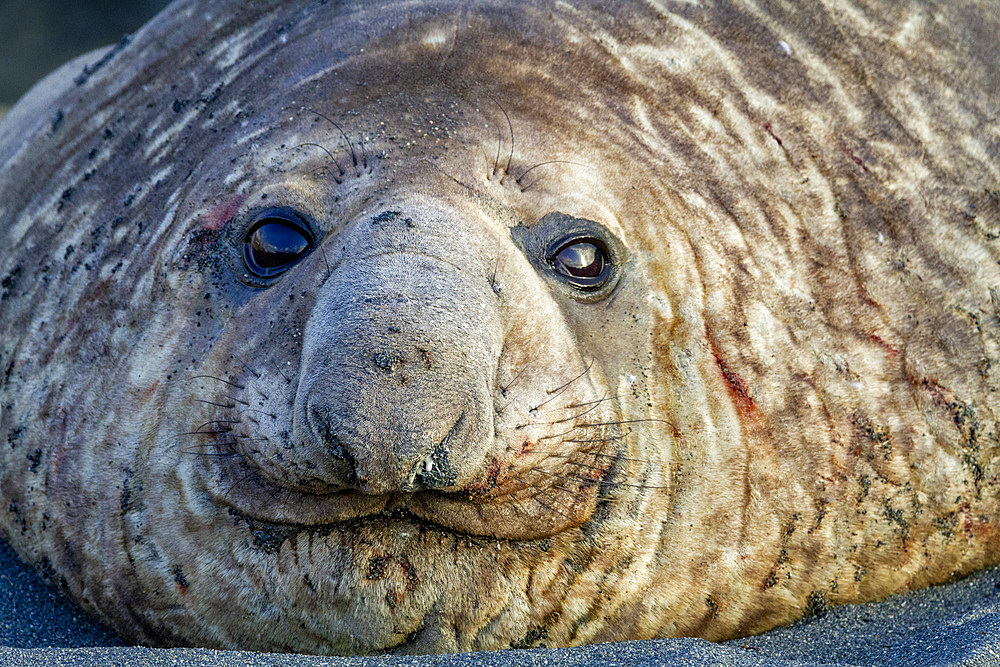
x=344 y=328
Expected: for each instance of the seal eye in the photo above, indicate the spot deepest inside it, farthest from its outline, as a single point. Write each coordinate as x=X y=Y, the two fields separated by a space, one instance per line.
x=582 y=262
x=579 y=258
x=275 y=242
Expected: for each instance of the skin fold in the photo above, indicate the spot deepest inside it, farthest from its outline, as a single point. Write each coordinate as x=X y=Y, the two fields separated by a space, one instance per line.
x=421 y=435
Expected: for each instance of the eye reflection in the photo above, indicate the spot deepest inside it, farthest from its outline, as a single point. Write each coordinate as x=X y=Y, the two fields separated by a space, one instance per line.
x=583 y=262
x=274 y=243
x=580 y=260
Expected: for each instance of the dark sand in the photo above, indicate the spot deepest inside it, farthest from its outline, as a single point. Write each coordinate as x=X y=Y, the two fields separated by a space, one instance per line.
x=957 y=624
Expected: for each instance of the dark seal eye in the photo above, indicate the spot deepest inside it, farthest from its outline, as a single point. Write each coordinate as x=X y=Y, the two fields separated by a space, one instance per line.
x=579 y=258
x=275 y=242
x=582 y=262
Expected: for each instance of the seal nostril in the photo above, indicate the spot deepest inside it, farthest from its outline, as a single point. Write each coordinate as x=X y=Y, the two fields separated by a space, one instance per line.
x=435 y=471
x=322 y=429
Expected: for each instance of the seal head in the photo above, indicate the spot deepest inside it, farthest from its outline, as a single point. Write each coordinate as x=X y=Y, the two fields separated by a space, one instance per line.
x=354 y=328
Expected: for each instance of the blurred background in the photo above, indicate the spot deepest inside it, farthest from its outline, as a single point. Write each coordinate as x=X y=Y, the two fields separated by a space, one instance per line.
x=40 y=35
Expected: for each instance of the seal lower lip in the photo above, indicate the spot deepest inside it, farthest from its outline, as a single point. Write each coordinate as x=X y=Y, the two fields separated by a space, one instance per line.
x=255 y=496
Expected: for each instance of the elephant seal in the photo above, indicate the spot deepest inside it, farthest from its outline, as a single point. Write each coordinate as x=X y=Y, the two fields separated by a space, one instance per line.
x=349 y=327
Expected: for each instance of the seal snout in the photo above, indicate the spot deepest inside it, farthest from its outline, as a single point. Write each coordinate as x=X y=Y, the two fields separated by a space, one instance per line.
x=399 y=356
x=414 y=457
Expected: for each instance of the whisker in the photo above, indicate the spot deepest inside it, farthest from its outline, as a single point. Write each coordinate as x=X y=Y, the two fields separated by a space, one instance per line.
x=609 y=482
x=563 y=386
x=333 y=160
x=600 y=400
x=611 y=439
x=213 y=445
x=496 y=160
x=625 y=421
x=214 y=455
x=558 y=390
x=496 y=267
x=577 y=416
x=563 y=488
x=240 y=481
x=545 y=437
x=542 y=164
x=249 y=439
x=338 y=179
x=510 y=126
x=517 y=506
x=263 y=412
x=581 y=464
x=231 y=384
x=259 y=376
x=238 y=400
x=354 y=156
x=587 y=538
x=504 y=388
x=218 y=405
x=551 y=509
x=572 y=477
x=364 y=153
x=608 y=499
x=561 y=455
x=274 y=494
x=326 y=261
x=216 y=421
x=280 y=372
x=247 y=368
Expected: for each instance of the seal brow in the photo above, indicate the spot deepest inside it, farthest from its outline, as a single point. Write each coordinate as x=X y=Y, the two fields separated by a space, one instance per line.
x=333 y=160
x=354 y=155
x=510 y=126
x=524 y=173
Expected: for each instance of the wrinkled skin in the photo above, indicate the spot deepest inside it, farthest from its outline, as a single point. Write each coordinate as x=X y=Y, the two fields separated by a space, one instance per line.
x=421 y=437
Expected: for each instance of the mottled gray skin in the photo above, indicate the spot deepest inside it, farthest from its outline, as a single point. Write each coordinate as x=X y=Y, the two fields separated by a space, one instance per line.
x=420 y=438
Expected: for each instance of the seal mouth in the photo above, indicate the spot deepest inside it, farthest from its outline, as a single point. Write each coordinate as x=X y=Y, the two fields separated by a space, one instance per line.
x=533 y=506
